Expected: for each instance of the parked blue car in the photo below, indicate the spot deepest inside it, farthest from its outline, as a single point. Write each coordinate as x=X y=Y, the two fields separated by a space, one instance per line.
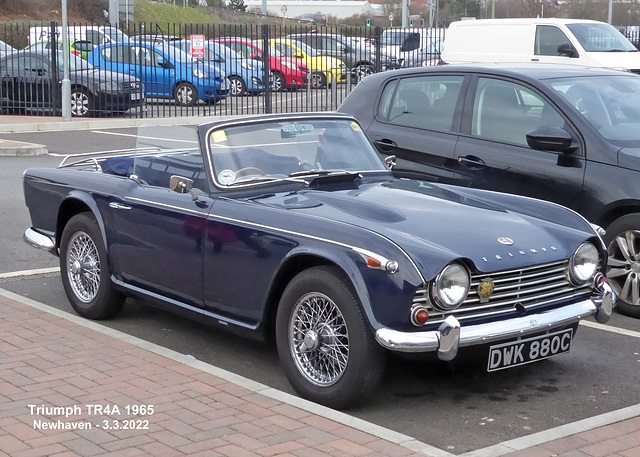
x=245 y=75
x=166 y=71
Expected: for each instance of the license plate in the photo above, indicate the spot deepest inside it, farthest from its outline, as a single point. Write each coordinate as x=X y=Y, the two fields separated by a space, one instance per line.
x=521 y=352
x=136 y=96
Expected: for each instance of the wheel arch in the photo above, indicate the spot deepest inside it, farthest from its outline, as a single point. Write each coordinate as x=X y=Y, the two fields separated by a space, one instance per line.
x=612 y=213
x=291 y=267
x=76 y=203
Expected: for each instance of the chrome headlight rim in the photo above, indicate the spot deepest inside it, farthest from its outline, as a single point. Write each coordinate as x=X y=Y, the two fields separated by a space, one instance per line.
x=579 y=271
x=444 y=301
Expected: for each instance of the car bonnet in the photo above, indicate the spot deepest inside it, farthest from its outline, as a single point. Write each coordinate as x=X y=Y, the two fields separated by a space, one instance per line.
x=435 y=225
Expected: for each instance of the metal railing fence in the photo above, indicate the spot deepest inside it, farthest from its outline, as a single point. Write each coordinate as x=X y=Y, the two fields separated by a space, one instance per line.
x=153 y=70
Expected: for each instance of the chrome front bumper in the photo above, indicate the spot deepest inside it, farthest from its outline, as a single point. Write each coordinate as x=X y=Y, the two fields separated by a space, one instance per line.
x=451 y=335
x=40 y=241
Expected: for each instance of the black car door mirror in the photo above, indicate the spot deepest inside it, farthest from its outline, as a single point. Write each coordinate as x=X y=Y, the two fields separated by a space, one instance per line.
x=165 y=64
x=568 y=50
x=550 y=138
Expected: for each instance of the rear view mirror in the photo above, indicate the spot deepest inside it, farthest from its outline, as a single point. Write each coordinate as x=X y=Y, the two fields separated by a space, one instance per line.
x=549 y=138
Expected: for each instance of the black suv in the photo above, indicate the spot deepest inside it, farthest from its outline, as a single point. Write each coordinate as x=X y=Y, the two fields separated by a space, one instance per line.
x=566 y=134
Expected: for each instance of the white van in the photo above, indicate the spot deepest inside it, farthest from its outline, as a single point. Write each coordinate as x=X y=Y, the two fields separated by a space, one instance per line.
x=569 y=41
x=96 y=34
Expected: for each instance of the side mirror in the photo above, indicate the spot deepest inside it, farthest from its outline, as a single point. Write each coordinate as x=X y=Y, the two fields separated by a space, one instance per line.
x=568 y=50
x=165 y=64
x=254 y=56
x=550 y=138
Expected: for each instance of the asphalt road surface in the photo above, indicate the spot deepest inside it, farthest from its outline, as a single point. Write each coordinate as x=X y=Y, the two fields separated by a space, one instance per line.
x=457 y=407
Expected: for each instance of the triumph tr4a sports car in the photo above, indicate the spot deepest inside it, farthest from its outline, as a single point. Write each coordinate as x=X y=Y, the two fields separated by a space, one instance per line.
x=292 y=227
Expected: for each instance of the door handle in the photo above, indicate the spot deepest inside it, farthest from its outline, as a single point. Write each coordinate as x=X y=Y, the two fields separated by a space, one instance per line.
x=115 y=205
x=386 y=143
x=471 y=162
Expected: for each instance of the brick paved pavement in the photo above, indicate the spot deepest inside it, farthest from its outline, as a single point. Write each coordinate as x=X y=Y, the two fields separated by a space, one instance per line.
x=52 y=359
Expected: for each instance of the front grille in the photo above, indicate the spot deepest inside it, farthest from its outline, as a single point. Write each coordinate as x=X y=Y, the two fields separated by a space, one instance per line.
x=528 y=288
x=132 y=85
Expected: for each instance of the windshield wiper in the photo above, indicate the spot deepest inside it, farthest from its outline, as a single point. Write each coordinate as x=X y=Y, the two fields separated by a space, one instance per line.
x=313 y=172
x=265 y=179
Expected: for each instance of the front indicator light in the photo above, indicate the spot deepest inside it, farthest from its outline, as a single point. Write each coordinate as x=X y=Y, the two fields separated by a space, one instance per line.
x=419 y=316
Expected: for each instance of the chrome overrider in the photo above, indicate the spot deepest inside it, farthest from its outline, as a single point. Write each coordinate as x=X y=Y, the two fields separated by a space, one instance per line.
x=40 y=241
x=451 y=335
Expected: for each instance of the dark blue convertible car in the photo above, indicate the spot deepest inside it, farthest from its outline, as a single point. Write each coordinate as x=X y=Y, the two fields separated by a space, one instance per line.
x=291 y=226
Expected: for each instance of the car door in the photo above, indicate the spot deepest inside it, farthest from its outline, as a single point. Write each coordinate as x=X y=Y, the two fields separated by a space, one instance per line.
x=548 y=41
x=156 y=70
x=417 y=121
x=28 y=81
x=157 y=237
x=493 y=153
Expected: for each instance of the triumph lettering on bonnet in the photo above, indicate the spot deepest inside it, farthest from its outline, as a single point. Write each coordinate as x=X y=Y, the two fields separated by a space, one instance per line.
x=531 y=251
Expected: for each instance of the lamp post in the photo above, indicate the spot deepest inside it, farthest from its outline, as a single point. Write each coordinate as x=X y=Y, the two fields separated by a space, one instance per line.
x=66 y=83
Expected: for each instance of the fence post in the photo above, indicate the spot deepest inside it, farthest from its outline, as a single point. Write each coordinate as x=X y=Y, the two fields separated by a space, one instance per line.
x=265 y=68
x=54 y=78
x=378 y=34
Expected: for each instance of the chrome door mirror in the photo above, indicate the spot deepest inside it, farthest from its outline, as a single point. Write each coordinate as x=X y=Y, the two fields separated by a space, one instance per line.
x=390 y=161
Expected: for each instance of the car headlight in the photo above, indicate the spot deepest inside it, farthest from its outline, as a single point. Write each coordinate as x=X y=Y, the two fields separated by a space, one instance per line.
x=110 y=86
x=584 y=263
x=199 y=73
x=248 y=66
x=451 y=286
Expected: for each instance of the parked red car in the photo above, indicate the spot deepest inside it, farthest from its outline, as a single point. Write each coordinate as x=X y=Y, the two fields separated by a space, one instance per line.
x=287 y=73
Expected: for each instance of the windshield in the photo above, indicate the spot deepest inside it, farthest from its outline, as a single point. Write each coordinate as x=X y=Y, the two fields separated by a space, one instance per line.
x=116 y=35
x=5 y=47
x=610 y=103
x=393 y=37
x=306 y=48
x=596 y=37
x=292 y=147
x=175 y=52
x=75 y=63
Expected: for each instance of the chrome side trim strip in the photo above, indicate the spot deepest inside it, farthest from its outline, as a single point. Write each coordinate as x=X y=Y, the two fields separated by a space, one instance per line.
x=165 y=206
x=317 y=238
x=221 y=319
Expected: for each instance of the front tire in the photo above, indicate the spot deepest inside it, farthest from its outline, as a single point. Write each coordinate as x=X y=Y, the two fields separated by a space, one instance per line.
x=318 y=80
x=237 y=86
x=186 y=94
x=279 y=82
x=81 y=102
x=84 y=270
x=623 y=269
x=362 y=71
x=325 y=345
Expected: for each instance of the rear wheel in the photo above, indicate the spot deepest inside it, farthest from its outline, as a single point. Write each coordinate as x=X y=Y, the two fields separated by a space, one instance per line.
x=186 y=94
x=325 y=345
x=623 y=269
x=81 y=102
x=84 y=270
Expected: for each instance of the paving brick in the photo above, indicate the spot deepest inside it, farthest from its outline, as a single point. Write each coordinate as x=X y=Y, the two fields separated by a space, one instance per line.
x=603 y=448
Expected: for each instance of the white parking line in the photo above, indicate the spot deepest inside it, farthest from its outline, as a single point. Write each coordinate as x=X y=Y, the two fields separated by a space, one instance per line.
x=610 y=328
x=131 y=135
x=17 y=274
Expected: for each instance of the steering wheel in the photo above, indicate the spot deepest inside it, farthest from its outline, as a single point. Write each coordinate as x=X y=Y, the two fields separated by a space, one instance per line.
x=246 y=171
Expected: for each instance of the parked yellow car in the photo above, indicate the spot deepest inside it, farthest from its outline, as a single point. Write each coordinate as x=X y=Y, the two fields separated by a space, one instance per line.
x=323 y=70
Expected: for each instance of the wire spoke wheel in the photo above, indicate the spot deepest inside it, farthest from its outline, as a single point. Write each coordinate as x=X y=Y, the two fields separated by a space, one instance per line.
x=83 y=267
x=319 y=339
